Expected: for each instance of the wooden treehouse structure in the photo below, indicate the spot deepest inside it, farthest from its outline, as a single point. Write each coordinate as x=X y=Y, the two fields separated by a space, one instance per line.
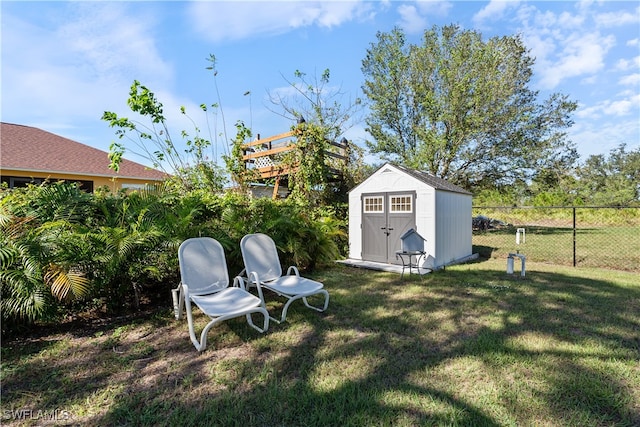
x=265 y=157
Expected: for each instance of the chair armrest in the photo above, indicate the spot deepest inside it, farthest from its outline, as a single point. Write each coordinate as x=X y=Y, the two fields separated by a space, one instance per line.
x=253 y=277
x=294 y=269
x=185 y=289
x=238 y=282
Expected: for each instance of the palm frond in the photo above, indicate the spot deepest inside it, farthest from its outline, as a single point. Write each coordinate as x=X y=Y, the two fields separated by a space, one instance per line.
x=30 y=307
x=23 y=297
x=66 y=285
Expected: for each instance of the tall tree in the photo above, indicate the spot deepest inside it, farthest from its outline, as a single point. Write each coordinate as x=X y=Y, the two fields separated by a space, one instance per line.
x=461 y=108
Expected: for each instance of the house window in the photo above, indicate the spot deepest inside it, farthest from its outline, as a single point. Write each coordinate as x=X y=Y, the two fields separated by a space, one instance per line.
x=19 y=182
x=131 y=186
x=400 y=204
x=23 y=181
x=373 y=204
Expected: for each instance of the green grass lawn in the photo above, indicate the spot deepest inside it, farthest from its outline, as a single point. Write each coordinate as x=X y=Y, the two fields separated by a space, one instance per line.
x=616 y=247
x=468 y=346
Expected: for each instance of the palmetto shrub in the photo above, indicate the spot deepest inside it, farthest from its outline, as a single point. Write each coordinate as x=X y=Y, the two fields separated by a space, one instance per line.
x=41 y=251
x=304 y=236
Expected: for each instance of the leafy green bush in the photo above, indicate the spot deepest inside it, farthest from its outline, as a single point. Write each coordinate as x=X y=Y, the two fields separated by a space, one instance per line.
x=64 y=251
x=41 y=250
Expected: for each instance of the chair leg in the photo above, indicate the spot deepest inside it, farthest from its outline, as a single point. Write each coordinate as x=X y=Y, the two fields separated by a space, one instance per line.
x=192 y=331
x=202 y=344
x=265 y=324
x=203 y=336
x=285 y=308
x=326 y=301
x=178 y=302
x=306 y=303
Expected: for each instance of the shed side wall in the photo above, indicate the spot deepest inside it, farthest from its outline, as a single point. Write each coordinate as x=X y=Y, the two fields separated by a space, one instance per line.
x=453 y=227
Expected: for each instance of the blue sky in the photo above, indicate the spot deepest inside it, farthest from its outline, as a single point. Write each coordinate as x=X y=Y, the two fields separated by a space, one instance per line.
x=65 y=63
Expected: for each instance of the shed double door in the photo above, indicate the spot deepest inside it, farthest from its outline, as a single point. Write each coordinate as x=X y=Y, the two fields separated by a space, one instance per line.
x=385 y=218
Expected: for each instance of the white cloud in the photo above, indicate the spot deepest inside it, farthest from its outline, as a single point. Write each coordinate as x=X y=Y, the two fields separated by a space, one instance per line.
x=565 y=44
x=591 y=112
x=56 y=74
x=414 y=16
x=601 y=137
x=567 y=20
x=631 y=80
x=411 y=20
x=589 y=80
x=615 y=19
x=218 y=21
x=541 y=46
x=620 y=107
x=434 y=8
x=624 y=64
x=493 y=11
x=109 y=39
x=581 y=54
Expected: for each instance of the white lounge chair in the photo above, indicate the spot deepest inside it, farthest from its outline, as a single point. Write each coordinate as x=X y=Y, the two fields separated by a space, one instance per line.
x=205 y=282
x=262 y=267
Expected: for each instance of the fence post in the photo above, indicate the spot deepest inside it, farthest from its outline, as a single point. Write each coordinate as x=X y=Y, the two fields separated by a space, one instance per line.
x=574 y=236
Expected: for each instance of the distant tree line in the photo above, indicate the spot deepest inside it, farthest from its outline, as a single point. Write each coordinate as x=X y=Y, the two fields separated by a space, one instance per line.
x=611 y=179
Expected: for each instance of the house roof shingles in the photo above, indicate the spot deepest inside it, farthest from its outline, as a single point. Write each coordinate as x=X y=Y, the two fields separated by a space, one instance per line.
x=432 y=180
x=26 y=148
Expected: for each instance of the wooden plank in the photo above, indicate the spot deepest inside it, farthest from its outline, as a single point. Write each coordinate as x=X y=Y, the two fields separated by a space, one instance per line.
x=268 y=152
x=267 y=140
x=270 y=172
x=335 y=155
x=274 y=171
x=283 y=149
x=339 y=145
x=274 y=196
x=279 y=170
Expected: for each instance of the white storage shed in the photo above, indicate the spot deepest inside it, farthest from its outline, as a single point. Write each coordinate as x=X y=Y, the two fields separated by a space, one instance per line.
x=395 y=199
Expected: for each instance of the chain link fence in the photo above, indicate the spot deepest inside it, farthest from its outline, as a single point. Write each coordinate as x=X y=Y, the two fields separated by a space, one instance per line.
x=601 y=237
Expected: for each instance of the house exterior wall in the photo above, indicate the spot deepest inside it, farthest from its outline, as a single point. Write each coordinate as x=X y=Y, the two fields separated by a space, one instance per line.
x=114 y=184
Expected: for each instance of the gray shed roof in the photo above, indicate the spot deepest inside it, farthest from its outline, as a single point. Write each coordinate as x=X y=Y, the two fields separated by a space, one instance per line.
x=431 y=180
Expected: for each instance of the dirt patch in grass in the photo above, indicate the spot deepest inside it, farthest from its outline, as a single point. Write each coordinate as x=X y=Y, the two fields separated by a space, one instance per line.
x=96 y=362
